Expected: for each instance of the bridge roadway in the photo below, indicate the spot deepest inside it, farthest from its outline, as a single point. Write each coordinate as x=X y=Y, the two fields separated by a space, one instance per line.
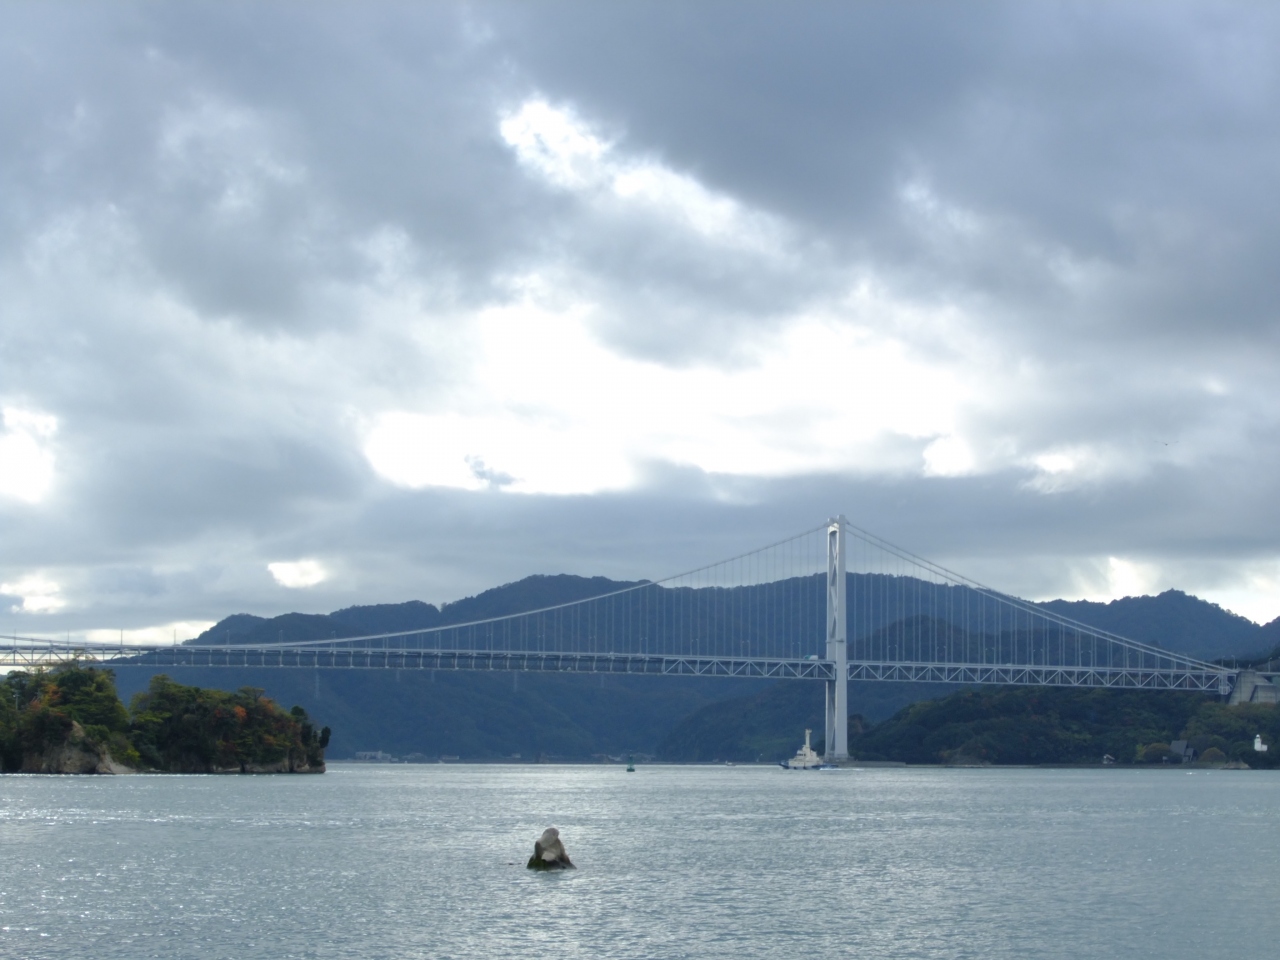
x=311 y=656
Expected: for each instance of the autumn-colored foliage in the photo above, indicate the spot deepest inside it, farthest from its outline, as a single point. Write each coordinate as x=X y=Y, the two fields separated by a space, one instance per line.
x=171 y=727
x=176 y=727
x=39 y=708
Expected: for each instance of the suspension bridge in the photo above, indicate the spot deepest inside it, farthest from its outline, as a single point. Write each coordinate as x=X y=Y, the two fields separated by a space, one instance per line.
x=834 y=603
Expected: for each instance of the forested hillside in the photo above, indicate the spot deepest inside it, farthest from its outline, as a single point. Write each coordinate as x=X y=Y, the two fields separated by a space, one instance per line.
x=1000 y=725
x=1176 y=621
x=1029 y=725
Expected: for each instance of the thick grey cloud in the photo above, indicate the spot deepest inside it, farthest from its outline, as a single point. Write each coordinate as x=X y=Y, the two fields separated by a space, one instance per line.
x=234 y=236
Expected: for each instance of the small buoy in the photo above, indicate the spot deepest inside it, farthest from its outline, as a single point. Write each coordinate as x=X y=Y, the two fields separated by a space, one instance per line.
x=631 y=765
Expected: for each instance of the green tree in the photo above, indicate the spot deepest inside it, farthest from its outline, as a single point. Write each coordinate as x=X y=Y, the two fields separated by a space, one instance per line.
x=1156 y=753
x=88 y=695
x=176 y=727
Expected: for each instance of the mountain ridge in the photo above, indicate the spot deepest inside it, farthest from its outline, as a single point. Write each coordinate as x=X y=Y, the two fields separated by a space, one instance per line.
x=1174 y=620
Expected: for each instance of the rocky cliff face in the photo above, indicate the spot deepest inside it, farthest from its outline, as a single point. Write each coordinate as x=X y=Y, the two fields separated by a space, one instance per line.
x=76 y=754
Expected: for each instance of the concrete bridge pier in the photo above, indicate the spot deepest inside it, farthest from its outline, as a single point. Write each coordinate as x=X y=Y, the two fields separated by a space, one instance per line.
x=1253 y=687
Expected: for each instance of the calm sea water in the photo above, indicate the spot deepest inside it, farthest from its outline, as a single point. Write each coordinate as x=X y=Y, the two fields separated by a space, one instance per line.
x=428 y=861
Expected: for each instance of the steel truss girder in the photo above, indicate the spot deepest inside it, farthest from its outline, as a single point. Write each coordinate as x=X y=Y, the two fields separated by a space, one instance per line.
x=1205 y=681
x=346 y=658
x=29 y=657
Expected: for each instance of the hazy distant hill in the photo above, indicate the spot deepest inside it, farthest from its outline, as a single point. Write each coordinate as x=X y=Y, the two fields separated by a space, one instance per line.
x=531 y=593
x=494 y=715
x=1173 y=620
x=472 y=715
x=1269 y=637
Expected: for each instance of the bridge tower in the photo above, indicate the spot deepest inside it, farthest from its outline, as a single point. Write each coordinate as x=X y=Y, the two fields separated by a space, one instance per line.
x=837 y=626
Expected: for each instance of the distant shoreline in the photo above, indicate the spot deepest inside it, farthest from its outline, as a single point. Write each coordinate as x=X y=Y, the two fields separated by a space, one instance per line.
x=764 y=764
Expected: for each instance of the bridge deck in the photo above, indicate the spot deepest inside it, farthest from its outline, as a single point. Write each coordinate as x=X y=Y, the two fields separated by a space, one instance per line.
x=376 y=658
x=338 y=657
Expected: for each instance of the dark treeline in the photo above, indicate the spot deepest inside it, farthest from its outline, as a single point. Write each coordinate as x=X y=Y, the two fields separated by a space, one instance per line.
x=71 y=720
x=997 y=725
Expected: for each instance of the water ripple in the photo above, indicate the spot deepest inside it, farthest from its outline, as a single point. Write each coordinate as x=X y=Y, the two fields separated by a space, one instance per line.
x=675 y=862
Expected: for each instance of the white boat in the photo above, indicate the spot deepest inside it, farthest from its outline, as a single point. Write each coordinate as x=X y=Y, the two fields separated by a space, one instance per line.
x=805 y=758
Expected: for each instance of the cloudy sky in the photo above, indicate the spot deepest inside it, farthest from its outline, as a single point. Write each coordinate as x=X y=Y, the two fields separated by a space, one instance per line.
x=307 y=305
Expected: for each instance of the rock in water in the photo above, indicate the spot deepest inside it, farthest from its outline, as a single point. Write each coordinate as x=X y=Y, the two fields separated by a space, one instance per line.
x=548 y=852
